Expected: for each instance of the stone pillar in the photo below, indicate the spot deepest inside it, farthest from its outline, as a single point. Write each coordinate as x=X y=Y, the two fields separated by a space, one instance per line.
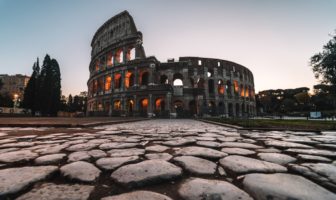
x=122 y=88
x=168 y=102
x=136 y=78
x=124 y=54
x=151 y=74
x=150 y=106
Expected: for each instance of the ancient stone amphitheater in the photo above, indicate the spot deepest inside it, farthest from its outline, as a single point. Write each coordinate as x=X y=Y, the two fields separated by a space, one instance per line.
x=124 y=82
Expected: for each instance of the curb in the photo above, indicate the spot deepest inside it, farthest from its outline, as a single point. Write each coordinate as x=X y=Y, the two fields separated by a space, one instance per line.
x=87 y=125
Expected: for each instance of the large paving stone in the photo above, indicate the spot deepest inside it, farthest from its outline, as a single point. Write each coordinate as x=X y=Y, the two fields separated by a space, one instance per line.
x=52 y=150
x=50 y=159
x=241 y=164
x=237 y=151
x=13 y=180
x=208 y=144
x=284 y=186
x=201 y=189
x=82 y=147
x=146 y=172
x=138 y=195
x=196 y=165
x=79 y=155
x=278 y=158
x=157 y=148
x=313 y=158
x=117 y=145
x=115 y=162
x=51 y=191
x=126 y=152
x=18 y=145
x=97 y=153
x=326 y=170
x=284 y=144
x=317 y=152
x=159 y=156
x=17 y=156
x=80 y=170
x=179 y=142
x=201 y=152
x=240 y=145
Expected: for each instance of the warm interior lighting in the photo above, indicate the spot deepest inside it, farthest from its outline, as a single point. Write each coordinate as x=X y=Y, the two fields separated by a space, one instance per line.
x=108 y=81
x=221 y=89
x=109 y=59
x=236 y=86
x=97 y=65
x=128 y=80
x=117 y=105
x=144 y=103
x=242 y=92
x=117 y=82
x=158 y=104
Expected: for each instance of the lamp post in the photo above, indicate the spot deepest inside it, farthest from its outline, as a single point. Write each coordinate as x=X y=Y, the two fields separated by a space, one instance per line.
x=15 y=101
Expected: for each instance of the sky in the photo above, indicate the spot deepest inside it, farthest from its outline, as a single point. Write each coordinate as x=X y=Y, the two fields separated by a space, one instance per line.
x=274 y=39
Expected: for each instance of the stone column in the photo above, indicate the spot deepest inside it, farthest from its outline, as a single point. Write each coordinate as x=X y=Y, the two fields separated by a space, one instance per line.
x=122 y=80
x=136 y=78
x=150 y=105
x=151 y=74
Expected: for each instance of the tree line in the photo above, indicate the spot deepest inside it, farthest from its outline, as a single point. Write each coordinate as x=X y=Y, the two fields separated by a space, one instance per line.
x=43 y=91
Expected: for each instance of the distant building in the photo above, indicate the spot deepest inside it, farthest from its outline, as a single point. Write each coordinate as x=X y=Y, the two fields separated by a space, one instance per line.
x=14 y=85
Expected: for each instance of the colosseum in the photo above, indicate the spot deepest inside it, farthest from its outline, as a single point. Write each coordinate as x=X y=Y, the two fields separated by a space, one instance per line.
x=124 y=82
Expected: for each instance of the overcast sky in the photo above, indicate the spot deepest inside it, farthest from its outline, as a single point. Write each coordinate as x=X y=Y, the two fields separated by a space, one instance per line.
x=274 y=39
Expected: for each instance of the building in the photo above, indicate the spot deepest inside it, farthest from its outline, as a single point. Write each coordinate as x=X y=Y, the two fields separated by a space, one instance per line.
x=123 y=81
x=14 y=85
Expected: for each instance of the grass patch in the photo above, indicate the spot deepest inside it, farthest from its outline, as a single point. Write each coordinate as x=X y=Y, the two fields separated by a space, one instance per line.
x=278 y=123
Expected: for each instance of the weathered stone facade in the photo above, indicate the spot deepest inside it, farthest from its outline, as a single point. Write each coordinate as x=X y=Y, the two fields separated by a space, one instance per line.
x=123 y=81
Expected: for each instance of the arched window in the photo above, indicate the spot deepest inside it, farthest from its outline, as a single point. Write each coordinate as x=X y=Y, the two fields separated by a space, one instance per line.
x=108 y=80
x=211 y=86
x=117 y=105
x=221 y=88
x=117 y=80
x=144 y=78
x=129 y=79
x=163 y=79
x=178 y=79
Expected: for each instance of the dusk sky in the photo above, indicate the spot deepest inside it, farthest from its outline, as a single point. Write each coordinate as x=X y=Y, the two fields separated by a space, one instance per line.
x=274 y=39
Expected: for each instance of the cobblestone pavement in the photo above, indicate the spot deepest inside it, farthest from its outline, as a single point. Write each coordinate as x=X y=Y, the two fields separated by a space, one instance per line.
x=166 y=159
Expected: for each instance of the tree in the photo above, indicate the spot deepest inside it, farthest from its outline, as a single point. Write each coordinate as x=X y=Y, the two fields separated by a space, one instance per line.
x=50 y=87
x=324 y=63
x=30 y=99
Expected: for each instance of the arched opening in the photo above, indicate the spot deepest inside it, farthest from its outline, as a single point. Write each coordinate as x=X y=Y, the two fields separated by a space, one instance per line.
x=163 y=79
x=117 y=105
x=230 y=110
x=192 y=82
x=130 y=107
x=221 y=108
x=159 y=104
x=242 y=92
x=108 y=81
x=119 y=56
x=178 y=106
x=236 y=87
x=130 y=54
x=101 y=84
x=192 y=107
x=211 y=86
x=144 y=78
x=210 y=73
x=212 y=108
x=221 y=88
x=243 y=109
x=229 y=87
x=178 y=79
x=237 y=110
x=143 y=106
x=109 y=59
x=97 y=65
x=129 y=79
x=117 y=81
x=200 y=83
x=95 y=86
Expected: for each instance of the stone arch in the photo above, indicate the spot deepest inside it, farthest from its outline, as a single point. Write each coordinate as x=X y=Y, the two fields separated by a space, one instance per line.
x=200 y=83
x=229 y=87
x=130 y=106
x=220 y=87
x=211 y=86
x=117 y=80
x=178 y=79
x=179 y=108
x=230 y=109
x=221 y=108
x=144 y=78
x=164 y=79
x=192 y=107
x=143 y=105
x=237 y=109
x=212 y=108
x=160 y=104
x=129 y=79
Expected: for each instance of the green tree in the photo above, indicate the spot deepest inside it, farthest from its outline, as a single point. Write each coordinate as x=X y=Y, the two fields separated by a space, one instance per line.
x=30 y=98
x=49 y=87
x=324 y=63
